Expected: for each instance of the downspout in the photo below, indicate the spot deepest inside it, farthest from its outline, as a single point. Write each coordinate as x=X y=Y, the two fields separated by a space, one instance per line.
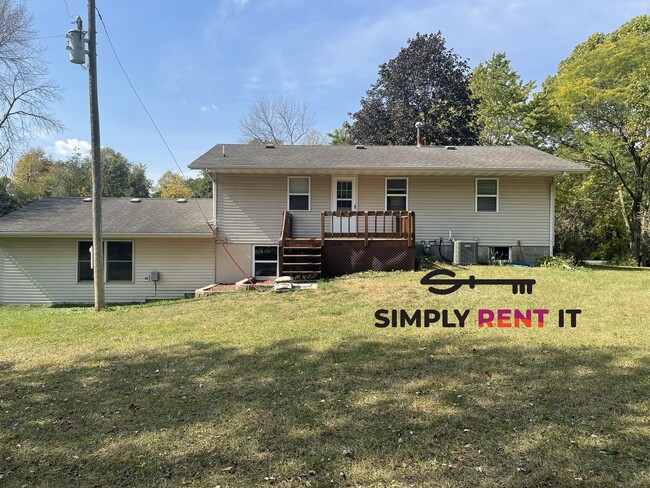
x=551 y=218
x=215 y=188
x=214 y=199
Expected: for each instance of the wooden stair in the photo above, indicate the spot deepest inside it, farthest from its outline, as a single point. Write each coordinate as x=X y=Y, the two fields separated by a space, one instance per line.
x=301 y=258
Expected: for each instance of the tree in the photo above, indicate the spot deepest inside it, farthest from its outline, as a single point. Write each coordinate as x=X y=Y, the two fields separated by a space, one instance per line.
x=596 y=110
x=8 y=203
x=122 y=178
x=313 y=138
x=278 y=121
x=25 y=90
x=36 y=175
x=139 y=184
x=201 y=186
x=425 y=82
x=501 y=101
x=31 y=178
x=588 y=221
x=72 y=178
x=172 y=185
x=32 y=167
x=339 y=136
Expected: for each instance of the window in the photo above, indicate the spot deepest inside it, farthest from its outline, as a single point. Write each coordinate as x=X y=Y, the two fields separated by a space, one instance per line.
x=487 y=195
x=265 y=261
x=119 y=261
x=299 y=187
x=396 y=194
x=344 y=195
x=84 y=258
x=501 y=253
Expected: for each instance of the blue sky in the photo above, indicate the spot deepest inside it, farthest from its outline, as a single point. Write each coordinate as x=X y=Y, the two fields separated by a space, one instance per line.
x=199 y=64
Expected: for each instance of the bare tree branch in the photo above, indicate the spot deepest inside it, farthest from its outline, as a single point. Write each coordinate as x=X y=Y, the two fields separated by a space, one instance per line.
x=278 y=121
x=25 y=90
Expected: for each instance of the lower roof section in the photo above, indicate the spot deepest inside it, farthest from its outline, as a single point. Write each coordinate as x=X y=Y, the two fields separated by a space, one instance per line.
x=120 y=217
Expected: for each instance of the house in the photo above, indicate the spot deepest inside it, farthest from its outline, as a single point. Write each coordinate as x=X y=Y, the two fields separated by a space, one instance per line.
x=307 y=211
x=45 y=250
x=329 y=210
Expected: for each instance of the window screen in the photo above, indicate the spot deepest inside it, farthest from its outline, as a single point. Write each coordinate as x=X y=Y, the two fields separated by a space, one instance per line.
x=487 y=195
x=396 y=193
x=298 y=193
x=119 y=261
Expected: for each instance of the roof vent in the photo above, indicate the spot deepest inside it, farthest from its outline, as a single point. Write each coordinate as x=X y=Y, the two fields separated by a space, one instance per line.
x=360 y=146
x=450 y=148
x=181 y=200
x=269 y=146
x=87 y=199
x=136 y=200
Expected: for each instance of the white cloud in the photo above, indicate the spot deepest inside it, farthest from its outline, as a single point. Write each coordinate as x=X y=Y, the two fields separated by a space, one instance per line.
x=208 y=108
x=217 y=20
x=70 y=147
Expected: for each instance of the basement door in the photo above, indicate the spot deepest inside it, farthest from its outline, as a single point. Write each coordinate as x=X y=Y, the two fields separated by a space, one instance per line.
x=344 y=199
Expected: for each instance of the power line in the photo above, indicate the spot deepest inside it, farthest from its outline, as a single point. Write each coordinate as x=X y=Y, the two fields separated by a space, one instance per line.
x=67 y=10
x=137 y=95
x=162 y=137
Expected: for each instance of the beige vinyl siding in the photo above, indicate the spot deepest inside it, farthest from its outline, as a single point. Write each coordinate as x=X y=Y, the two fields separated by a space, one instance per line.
x=44 y=270
x=250 y=208
x=227 y=270
x=307 y=224
x=445 y=203
x=25 y=266
x=442 y=203
x=371 y=192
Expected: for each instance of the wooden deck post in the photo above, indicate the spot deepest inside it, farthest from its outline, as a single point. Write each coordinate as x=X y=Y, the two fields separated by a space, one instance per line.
x=322 y=228
x=365 y=231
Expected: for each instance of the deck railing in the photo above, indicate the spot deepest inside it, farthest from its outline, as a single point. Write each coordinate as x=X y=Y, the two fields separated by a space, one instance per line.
x=287 y=226
x=369 y=224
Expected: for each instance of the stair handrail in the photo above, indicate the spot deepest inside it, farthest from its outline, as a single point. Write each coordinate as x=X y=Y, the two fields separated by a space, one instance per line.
x=287 y=231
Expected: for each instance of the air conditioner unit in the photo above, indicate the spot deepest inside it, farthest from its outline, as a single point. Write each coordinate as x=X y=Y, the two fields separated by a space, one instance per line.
x=465 y=252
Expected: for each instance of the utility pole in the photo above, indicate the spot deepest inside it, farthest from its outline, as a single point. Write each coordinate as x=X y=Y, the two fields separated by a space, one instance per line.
x=98 y=247
x=76 y=46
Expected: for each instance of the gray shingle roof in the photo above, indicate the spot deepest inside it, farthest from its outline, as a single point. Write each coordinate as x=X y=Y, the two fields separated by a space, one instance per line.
x=403 y=158
x=73 y=216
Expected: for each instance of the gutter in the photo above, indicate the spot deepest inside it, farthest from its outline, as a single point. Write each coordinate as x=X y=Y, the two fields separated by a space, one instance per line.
x=451 y=171
x=551 y=241
x=106 y=235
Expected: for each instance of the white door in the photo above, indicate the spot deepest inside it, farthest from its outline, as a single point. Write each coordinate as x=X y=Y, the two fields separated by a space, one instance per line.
x=344 y=199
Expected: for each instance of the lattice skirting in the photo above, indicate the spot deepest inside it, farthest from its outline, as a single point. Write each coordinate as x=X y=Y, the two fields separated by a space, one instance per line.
x=341 y=258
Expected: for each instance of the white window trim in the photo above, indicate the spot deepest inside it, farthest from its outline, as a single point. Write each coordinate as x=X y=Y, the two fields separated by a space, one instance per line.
x=476 y=195
x=493 y=248
x=395 y=195
x=106 y=261
x=355 y=197
x=105 y=244
x=77 y=260
x=289 y=178
x=254 y=261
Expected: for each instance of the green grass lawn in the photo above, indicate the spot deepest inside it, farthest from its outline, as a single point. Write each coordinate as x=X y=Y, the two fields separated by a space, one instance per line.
x=301 y=389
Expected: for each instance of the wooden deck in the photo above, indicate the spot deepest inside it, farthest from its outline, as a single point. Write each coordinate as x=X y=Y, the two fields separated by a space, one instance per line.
x=349 y=242
x=368 y=225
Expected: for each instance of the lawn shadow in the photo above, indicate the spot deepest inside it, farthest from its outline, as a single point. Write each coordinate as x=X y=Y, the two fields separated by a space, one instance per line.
x=427 y=412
